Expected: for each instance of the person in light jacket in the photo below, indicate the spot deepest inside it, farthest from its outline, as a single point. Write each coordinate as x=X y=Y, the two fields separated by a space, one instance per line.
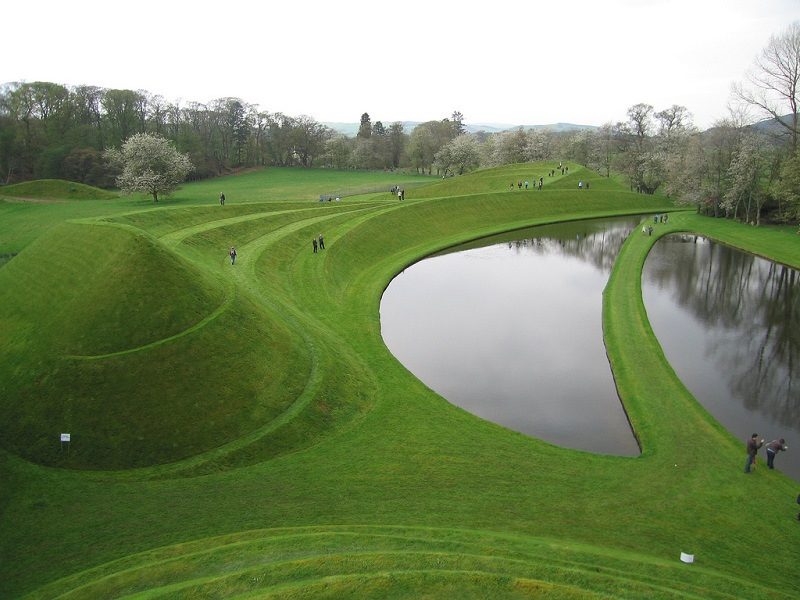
x=773 y=448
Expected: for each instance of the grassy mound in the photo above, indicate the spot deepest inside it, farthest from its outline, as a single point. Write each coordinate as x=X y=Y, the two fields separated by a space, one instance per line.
x=141 y=357
x=55 y=189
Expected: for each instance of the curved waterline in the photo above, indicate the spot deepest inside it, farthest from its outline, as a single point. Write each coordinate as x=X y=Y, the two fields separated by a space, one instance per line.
x=509 y=328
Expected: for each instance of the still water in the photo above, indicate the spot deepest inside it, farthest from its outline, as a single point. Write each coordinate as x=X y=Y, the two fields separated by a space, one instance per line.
x=510 y=329
x=728 y=324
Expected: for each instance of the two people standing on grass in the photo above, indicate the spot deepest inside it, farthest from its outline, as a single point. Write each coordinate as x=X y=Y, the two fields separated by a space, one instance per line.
x=318 y=241
x=773 y=448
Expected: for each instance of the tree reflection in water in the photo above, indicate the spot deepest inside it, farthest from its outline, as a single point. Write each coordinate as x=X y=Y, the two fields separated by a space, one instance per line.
x=727 y=322
x=510 y=329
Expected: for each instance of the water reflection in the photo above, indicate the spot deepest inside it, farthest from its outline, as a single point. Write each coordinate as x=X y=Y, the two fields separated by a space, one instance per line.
x=727 y=322
x=510 y=329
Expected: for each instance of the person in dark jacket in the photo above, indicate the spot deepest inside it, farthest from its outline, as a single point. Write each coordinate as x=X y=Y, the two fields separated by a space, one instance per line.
x=773 y=448
x=752 y=450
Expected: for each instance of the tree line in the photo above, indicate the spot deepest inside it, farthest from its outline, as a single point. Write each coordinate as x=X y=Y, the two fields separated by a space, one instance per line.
x=733 y=169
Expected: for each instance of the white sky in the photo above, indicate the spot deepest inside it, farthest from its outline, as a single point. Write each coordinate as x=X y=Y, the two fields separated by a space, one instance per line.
x=511 y=62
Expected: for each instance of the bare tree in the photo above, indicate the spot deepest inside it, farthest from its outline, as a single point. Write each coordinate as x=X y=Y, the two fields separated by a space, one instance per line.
x=773 y=81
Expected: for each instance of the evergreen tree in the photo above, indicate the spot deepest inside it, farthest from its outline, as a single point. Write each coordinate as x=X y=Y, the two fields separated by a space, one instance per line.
x=365 y=129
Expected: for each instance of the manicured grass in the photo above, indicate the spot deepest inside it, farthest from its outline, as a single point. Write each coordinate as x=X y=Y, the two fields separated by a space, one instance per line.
x=287 y=184
x=335 y=472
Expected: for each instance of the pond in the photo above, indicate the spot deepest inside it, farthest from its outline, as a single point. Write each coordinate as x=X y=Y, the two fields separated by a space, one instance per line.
x=728 y=324
x=510 y=329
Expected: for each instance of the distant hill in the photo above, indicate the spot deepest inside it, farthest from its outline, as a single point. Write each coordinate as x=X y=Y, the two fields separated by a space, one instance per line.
x=351 y=129
x=558 y=127
x=772 y=127
x=768 y=127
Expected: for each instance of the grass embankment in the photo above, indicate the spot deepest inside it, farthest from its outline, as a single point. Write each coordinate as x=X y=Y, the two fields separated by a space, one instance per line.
x=368 y=483
x=55 y=190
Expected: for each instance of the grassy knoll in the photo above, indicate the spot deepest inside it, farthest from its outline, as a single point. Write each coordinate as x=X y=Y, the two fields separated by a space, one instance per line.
x=333 y=471
x=55 y=190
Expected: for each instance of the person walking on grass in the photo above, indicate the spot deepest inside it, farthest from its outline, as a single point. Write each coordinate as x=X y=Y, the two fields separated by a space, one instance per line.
x=321 y=242
x=222 y=199
x=773 y=448
x=314 y=244
x=233 y=254
x=752 y=450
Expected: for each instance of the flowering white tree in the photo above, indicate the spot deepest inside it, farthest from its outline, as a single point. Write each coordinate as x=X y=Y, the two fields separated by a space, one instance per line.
x=149 y=163
x=461 y=154
x=747 y=180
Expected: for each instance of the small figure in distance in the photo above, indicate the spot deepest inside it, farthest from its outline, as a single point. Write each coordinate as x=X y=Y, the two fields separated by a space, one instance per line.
x=773 y=448
x=321 y=242
x=233 y=254
x=752 y=450
x=314 y=244
x=222 y=199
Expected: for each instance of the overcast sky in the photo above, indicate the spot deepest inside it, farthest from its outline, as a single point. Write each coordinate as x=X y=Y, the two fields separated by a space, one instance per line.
x=500 y=61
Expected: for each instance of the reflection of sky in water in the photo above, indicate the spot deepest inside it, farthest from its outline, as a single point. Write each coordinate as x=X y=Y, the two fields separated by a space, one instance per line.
x=710 y=307
x=513 y=335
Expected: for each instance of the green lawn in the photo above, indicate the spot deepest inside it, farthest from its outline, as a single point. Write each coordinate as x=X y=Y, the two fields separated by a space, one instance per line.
x=242 y=431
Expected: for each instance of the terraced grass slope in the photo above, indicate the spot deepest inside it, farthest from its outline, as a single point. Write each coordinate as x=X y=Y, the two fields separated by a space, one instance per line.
x=328 y=470
x=391 y=562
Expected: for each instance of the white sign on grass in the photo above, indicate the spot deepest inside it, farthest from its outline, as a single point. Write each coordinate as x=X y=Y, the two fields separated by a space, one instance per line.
x=64 y=437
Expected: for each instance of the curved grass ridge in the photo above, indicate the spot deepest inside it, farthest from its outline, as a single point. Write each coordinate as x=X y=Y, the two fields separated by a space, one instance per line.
x=210 y=318
x=55 y=189
x=367 y=483
x=392 y=560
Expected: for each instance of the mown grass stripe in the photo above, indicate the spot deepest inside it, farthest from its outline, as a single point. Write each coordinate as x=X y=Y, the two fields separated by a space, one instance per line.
x=209 y=319
x=534 y=557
